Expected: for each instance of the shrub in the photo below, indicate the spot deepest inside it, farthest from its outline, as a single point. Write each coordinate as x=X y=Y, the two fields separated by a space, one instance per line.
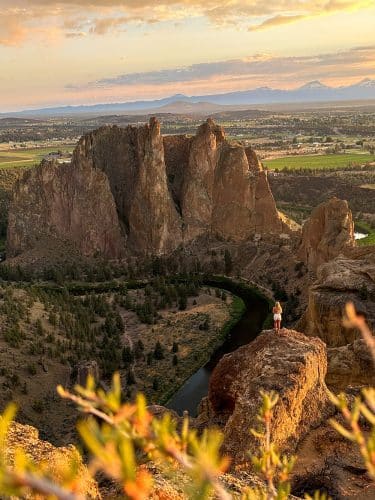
x=158 y=351
x=31 y=369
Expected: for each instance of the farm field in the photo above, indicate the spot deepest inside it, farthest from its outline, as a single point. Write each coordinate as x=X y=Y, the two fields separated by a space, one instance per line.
x=27 y=157
x=320 y=162
x=364 y=227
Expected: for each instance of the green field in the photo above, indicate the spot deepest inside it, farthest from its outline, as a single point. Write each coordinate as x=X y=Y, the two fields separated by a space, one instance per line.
x=27 y=157
x=364 y=227
x=317 y=162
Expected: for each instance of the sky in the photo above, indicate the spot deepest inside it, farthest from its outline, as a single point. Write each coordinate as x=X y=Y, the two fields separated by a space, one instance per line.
x=90 y=51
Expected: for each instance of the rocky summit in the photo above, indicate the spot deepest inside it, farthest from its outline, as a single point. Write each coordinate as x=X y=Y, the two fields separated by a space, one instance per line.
x=328 y=232
x=290 y=364
x=129 y=190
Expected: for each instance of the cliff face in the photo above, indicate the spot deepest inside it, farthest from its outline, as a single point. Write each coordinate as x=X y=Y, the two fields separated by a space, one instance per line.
x=328 y=232
x=344 y=279
x=289 y=363
x=350 y=364
x=198 y=184
x=131 y=189
x=70 y=203
x=133 y=160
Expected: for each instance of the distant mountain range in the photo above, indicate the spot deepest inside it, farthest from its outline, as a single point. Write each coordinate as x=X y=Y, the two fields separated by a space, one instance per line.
x=311 y=92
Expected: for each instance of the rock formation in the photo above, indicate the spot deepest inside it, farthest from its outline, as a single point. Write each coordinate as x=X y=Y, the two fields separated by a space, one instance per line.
x=129 y=189
x=290 y=364
x=85 y=369
x=220 y=187
x=345 y=279
x=328 y=232
x=133 y=160
x=27 y=438
x=350 y=365
x=69 y=203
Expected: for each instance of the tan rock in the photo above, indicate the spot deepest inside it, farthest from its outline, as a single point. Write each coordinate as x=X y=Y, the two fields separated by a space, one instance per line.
x=86 y=369
x=343 y=280
x=198 y=183
x=27 y=438
x=328 y=232
x=129 y=189
x=133 y=159
x=67 y=203
x=350 y=365
x=292 y=365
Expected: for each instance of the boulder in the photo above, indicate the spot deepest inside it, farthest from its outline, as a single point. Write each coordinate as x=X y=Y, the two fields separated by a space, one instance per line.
x=290 y=364
x=328 y=232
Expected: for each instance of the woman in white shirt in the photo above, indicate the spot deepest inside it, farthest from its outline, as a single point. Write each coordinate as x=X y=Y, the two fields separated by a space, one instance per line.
x=277 y=310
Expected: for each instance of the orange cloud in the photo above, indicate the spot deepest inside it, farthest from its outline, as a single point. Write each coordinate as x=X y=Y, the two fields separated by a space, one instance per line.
x=18 y=18
x=277 y=21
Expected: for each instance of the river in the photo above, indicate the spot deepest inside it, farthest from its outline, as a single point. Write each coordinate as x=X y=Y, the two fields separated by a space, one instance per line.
x=195 y=388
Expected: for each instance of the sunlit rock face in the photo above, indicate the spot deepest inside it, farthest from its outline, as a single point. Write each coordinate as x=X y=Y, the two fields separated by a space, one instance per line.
x=327 y=233
x=133 y=160
x=26 y=438
x=345 y=279
x=129 y=190
x=220 y=187
x=289 y=363
x=68 y=204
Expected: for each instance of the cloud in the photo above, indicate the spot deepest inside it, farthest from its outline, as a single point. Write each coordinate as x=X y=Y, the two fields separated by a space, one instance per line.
x=12 y=32
x=19 y=18
x=256 y=68
x=276 y=21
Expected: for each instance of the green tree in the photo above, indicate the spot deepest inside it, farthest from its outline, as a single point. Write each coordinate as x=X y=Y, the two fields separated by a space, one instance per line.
x=158 y=351
x=228 y=263
x=127 y=356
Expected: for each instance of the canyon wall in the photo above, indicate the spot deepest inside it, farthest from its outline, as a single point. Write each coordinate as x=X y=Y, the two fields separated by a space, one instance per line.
x=69 y=204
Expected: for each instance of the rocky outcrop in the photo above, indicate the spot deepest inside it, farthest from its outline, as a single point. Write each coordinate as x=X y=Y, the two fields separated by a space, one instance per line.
x=343 y=280
x=129 y=189
x=328 y=232
x=198 y=184
x=67 y=204
x=328 y=462
x=86 y=369
x=27 y=438
x=133 y=160
x=350 y=365
x=292 y=365
x=220 y=187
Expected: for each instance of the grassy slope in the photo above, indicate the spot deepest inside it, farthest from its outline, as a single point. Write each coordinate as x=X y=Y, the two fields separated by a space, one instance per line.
x=313 y=162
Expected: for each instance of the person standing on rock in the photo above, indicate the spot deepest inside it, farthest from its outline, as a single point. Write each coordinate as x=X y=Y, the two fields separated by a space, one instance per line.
x=277 y=310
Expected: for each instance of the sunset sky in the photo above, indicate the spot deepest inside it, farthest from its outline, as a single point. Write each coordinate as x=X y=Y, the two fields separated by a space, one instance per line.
x=87 y=51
